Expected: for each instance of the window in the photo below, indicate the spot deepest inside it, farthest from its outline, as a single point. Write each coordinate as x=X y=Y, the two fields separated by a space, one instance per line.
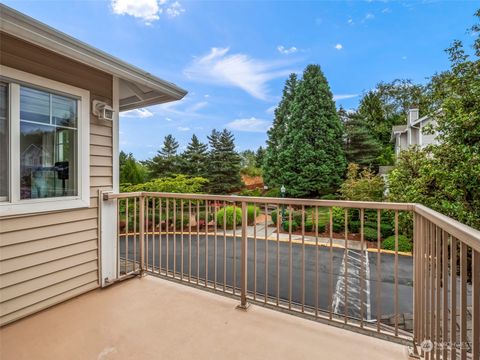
x=4 y=153
x=48 y=137
x=43 y=144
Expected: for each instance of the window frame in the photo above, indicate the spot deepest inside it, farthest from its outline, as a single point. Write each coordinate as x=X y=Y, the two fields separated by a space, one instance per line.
x=14 y=205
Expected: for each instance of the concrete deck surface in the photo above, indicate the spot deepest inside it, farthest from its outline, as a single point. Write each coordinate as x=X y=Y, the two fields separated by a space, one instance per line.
x=151 y=318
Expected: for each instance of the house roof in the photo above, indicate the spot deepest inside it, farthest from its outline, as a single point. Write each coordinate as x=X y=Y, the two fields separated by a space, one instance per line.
x=399 y=128
x=138 y=88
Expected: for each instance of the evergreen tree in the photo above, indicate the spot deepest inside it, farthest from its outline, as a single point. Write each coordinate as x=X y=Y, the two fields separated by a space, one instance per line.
x=260 y=156
x=166 y=162
x=276 y=133
x=311 y=155
x=224 y=163
x=361 y=146
x=195 y=158
x=131 y=171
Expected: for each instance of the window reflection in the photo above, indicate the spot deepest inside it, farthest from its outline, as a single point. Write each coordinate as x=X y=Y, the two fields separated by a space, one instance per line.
x=4 y=173
x=47 y=148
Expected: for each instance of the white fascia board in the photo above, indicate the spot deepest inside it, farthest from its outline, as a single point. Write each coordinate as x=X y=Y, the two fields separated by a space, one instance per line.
x=29 y=29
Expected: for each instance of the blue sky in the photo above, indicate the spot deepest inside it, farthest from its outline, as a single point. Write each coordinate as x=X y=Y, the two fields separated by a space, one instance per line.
x=234 y=56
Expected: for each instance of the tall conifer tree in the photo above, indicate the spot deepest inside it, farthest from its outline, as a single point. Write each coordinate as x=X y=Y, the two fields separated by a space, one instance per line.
x=166 y=162
x=311 y=155
x=276 y=134
x=224 y=163
x=195 y=158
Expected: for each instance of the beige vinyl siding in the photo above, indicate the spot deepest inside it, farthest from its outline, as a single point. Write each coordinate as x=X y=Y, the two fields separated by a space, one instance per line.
x=48 y=258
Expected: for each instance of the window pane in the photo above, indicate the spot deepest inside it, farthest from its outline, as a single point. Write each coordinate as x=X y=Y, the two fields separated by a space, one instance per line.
x=64 y=111
x=34 y=105
x=4 y=173
x=47 y=161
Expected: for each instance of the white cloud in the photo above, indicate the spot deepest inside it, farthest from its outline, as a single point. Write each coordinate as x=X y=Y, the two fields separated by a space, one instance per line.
x=286 y=51
x=404 y=58
x=344 y=96
x=146 y=10
x=183 y=128
x=249 y=125
x=168 y=119
x=339 y=46
x=239 y=70
x=197 y=106
x=175 y=9
x=386 y=11
x=137 y=113
x=350 y=21
x=368 y=16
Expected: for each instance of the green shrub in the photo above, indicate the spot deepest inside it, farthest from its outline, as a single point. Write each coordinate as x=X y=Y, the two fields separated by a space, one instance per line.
x=178 y=220
x=274 y=215
x=369 y=233
x=404 y=244
x=202 y=214
x=227 y=214
x=176 y=184
x=354 y=226
x=310 y=226
x=273 y=192
x=286 y=226
x=338 y=227
x=386 y=230
x=251 y=213
x=297 y=216
x=330 y=197
x=251 y=192
x=338 y=217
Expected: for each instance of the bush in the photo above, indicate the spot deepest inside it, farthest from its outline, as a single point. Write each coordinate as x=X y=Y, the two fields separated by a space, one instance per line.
x=337 y=228
x=286 y=226
x=338 y=217
x=251 y=213
x=202 y=214
x=178 y=220
x=369 y=234
x=330 y=197
x=273 y=215
x=273 y=192
x=362 y=185
x=177 y=184
x=354 y=226
x=295 y=216
x=227 y=214
x=310 y=226
x=251 y=192
x=386 y=230
x=404 y=244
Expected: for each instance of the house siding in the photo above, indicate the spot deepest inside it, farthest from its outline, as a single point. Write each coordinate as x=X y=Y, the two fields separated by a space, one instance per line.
x=47 y=258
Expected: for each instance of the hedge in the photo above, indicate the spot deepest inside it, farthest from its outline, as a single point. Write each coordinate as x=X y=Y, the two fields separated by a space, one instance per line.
x=404 y=244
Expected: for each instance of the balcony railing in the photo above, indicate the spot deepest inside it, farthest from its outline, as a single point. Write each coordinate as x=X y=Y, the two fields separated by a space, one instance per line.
x=296 y=256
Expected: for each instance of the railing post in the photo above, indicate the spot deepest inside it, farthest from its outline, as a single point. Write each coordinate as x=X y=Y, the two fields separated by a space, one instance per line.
x=244 y=258
x=142 y=235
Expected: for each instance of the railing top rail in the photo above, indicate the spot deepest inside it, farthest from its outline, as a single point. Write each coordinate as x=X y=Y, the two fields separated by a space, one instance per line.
x=270 y=200
x=462 y=232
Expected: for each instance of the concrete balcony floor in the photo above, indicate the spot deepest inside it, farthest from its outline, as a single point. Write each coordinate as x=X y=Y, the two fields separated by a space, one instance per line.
x=151 y=318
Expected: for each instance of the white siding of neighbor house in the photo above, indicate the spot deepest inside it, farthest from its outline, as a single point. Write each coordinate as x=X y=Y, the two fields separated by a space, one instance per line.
x=428 y=139
x=46 y=258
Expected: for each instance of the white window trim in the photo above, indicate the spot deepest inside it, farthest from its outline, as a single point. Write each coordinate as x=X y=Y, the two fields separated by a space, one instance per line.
x=15 y=206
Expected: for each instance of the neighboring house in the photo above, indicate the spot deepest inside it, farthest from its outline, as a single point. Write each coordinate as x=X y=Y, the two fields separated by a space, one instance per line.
x=56 y=100
x=413 y=132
